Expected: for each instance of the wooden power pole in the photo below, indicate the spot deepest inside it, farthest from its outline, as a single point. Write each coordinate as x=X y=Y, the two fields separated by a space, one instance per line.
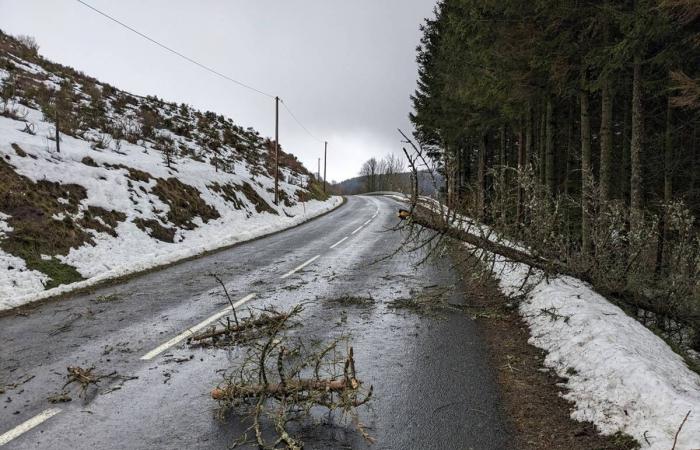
x=325 y=158
x=318 y=171
x=58 y=133
x=277 y=148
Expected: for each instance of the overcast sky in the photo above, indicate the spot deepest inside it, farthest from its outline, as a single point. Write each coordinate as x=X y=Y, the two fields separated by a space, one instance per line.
x=345 y=68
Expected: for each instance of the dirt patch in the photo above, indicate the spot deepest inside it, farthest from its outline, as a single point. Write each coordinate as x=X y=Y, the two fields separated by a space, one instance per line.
x=19 y=150
x=531 y=397
x=155 y=230
x=260 y=204
x=89 y=161
x=134 y=174
x=184 y=201
x=284 y=198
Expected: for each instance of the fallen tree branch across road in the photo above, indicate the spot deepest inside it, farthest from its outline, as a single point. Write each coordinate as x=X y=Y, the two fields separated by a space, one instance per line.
x=281 y=382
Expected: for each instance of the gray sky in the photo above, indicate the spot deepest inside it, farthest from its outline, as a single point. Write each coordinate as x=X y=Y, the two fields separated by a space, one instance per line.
x=345 y=68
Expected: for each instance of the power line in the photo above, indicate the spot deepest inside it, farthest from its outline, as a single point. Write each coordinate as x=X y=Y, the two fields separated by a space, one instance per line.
x=197 y=63
x=299 y=122
x=175 y=52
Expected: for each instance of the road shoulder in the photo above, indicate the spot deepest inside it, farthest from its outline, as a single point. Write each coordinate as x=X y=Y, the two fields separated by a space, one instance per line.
x=531 y=394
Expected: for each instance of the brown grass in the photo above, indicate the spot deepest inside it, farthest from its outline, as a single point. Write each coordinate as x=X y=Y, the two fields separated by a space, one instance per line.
x=228 y=192
x=184 y=201
x=531 y=397
x=260 y=204
x=31 y=207
x=154 y=229
x=101 y=220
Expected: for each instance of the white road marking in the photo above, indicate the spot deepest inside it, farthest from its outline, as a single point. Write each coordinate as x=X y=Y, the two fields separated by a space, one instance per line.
x=296 y=269
x=339 y=242
x=358 y=229
x=367 y=222
x=161 y=348
x=28 y=425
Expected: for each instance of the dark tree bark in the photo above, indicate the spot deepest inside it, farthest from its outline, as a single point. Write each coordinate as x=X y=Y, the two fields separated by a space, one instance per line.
x=606 y=141
x=550 y=169
x=586 y=173
x=636 y=201
x=481 y=176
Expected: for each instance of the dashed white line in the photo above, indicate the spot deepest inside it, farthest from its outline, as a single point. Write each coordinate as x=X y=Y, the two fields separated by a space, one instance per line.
x=28 y=425
x=339 y=242
x=298 y=268
x=161 y=348
x=358 y=229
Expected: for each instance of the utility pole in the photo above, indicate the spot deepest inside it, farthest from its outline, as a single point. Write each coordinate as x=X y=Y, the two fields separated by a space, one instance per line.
x=318 y=172
x=277 y=148
x=58 y=133
x=325 y=157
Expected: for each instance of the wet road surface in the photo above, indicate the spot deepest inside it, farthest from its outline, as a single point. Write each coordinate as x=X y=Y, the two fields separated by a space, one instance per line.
x=433 y=388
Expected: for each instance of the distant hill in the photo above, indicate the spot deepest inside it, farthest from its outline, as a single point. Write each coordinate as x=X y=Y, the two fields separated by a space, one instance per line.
x=399 y=183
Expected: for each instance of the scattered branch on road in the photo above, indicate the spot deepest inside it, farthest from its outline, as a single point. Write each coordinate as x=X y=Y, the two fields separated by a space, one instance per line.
x=430 y=301
x=279 y=384
x=228 y=297
x=61 y=397
x=248 y=329
x=87 y=377
x=350 y=300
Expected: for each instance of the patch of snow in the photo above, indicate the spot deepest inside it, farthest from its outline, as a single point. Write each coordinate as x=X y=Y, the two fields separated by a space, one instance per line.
x=16 y=279
x=621 y=376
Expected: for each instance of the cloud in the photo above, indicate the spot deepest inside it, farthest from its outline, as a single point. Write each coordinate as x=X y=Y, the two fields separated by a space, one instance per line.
x=346 y=69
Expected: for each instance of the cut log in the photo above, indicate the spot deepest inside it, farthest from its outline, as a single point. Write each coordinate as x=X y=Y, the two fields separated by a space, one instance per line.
x=291 y=387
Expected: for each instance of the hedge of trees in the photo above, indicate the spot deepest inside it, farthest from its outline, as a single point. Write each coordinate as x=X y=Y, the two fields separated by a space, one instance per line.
x=574 y=126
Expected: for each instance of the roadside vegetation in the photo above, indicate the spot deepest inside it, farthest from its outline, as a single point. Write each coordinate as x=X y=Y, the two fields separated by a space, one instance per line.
x=573 y=131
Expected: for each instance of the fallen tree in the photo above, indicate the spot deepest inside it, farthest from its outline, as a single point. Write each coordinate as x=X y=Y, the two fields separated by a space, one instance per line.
x=444 y=225
x=616 y=268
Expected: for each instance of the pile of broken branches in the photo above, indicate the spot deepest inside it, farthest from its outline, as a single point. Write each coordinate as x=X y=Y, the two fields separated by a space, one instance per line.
x=278 y=385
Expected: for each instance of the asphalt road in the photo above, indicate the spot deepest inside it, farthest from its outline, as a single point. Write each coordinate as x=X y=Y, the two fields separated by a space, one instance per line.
x=433 y=387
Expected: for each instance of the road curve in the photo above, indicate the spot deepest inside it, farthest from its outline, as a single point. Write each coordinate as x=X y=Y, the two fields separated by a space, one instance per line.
x=433 y=386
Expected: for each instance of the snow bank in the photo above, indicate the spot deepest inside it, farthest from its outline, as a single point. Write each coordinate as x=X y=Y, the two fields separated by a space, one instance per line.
x=131 y=253
x=621 y=376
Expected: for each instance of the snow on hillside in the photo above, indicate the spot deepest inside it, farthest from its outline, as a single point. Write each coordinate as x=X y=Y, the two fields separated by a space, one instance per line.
x=137 y=183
